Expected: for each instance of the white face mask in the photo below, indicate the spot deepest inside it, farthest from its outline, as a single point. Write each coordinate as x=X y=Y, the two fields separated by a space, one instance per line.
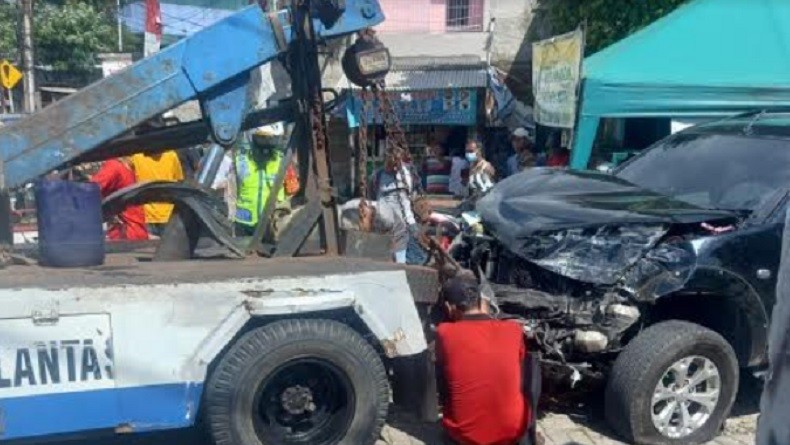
x=471 y=157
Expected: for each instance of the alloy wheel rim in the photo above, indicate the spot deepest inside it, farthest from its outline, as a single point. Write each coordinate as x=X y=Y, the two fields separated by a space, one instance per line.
x=685 y=397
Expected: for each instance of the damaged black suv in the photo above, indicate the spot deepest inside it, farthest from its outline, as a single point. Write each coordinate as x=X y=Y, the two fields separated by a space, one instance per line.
x=659 y=276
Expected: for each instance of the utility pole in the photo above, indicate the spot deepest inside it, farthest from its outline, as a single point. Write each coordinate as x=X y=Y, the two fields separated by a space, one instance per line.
x=26 y=43
x=120 y=25
x=153 y=27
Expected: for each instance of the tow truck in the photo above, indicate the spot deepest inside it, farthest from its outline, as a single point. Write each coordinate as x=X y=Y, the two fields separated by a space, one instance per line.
x=271 y=347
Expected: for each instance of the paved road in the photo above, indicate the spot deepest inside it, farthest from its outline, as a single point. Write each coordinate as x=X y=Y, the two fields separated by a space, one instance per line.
x=565 y=422
x=579 y=421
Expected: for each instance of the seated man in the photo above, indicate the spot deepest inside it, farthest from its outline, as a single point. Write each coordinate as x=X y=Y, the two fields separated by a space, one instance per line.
x=480 y=364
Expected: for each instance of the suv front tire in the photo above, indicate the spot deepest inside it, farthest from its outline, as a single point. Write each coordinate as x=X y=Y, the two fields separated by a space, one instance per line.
x=675 y=383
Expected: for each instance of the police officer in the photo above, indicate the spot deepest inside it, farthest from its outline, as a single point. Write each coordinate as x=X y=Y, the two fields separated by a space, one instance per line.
x=257 y=164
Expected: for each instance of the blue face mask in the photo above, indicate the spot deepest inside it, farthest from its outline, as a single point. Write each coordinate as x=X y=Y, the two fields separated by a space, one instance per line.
x=471 y=157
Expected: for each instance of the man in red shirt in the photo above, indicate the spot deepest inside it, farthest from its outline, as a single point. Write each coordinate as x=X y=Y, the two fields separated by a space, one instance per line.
x=114 y=175
x=481 y=368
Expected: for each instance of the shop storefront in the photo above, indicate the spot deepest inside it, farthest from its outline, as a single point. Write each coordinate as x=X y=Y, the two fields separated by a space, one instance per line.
x=425 y=116
x=433 y=102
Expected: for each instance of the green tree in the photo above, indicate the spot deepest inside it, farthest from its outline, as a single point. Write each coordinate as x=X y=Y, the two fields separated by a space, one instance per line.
x=8 y=20
x=606 y=21
x=69 y=36
x=67 y=33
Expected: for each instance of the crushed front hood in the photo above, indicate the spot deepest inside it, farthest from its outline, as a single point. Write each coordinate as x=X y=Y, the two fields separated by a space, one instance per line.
x=587 y=226
x=547 y=199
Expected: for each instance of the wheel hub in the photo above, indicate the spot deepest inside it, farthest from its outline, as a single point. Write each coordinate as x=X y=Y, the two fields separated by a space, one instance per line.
x=297 y=400
x=686 y=396
x=306 y=401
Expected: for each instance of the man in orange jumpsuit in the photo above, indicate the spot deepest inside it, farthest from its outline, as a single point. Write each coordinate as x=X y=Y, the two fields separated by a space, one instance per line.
x=114 y=175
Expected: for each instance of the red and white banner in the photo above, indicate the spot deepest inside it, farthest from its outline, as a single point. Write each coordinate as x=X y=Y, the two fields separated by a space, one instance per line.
x=153 y=27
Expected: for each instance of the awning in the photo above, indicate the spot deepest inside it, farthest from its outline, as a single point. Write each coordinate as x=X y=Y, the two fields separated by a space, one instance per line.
x=426 y=91
x=707 y=58
x=434 y=73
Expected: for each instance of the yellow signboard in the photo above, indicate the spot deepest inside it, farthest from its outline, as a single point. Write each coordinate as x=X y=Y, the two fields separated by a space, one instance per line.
x=9 y=75
x=556 y=64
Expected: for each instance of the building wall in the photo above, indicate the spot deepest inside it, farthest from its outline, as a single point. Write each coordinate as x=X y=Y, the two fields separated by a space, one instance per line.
x=433 y=16
x=414 y=16
x=495 y=28
x=511 y=47
x=429 y=28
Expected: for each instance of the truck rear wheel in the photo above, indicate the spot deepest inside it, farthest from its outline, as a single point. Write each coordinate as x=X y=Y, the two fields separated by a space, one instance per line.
x=673 y=384
x=301 y=382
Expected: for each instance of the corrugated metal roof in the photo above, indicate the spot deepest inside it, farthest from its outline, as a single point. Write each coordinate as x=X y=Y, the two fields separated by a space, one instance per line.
x=431 y=73
x=417 y=63
x=435 y=79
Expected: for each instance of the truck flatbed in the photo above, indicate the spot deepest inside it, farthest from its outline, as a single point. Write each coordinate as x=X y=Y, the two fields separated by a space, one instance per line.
x=136 y=268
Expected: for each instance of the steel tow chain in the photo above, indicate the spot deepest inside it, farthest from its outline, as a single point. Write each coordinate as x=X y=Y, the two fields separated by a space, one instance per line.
x=362 y=155
x=395 y=141
x=319 y=132
x=397 y=148
x=395 y=136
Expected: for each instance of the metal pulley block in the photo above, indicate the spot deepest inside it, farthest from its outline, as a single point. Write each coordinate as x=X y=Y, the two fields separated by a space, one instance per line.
x=367 y=61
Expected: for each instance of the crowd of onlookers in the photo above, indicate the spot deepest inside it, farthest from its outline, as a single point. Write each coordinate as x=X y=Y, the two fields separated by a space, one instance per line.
x=248 y=172
x=462 y=176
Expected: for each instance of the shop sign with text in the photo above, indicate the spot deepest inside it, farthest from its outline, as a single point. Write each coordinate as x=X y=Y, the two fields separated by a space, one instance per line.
x=437 y=107
x=556 y=69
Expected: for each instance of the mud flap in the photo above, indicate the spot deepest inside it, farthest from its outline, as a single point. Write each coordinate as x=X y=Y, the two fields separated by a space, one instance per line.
x=414 y=385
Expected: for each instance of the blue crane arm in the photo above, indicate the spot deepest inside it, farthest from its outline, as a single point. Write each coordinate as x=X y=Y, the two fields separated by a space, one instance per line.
x=213 y=66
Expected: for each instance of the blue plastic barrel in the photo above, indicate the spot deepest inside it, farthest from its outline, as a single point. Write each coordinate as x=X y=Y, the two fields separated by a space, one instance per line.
x=70 y=232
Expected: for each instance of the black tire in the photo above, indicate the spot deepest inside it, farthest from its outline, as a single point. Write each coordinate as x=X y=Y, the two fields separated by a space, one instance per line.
x=248 y=394
x=641 y=365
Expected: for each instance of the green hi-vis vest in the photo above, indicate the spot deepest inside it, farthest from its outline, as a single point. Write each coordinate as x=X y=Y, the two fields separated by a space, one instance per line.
x=254 y=185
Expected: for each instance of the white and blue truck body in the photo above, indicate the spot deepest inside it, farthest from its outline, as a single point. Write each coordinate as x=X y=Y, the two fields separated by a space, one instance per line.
x=128 y=347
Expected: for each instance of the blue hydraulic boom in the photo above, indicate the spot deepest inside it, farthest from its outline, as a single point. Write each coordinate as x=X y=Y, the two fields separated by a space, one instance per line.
x=213 y=66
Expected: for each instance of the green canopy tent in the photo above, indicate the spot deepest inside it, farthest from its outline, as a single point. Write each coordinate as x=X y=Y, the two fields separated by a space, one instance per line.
x=707 y=58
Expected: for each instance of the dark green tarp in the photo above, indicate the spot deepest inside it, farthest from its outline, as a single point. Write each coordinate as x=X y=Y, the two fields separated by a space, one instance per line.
x=707 y=58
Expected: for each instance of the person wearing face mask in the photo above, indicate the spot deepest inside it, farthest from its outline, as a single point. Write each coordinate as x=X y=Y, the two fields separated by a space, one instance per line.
x=257 y=165
x=481 y=172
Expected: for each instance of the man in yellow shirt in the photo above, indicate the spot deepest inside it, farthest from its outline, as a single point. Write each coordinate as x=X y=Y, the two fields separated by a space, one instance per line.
x=159 y=167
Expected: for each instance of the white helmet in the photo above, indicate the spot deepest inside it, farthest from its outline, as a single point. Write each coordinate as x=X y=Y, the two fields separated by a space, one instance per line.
x=275 y=129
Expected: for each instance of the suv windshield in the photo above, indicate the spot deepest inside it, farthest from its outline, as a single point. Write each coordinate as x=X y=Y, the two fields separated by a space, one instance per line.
x=713 y=171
